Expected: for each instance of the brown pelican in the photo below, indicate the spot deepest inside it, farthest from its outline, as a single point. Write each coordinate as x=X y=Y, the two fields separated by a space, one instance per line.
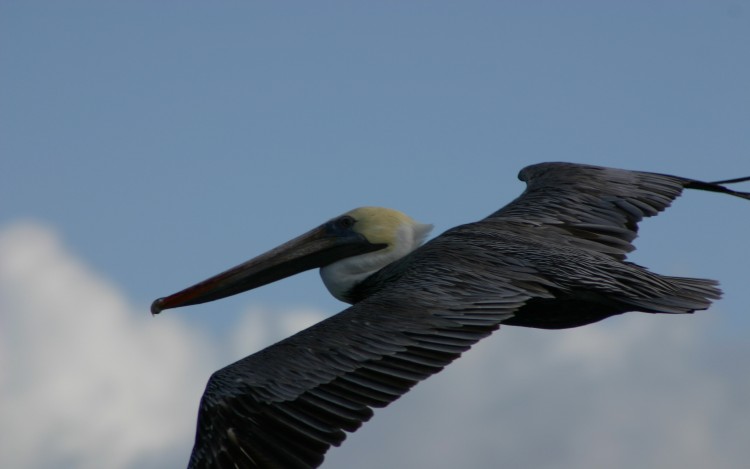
x=552 y=258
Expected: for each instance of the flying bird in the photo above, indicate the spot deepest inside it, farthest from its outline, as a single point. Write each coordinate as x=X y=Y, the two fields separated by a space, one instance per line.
x=552 y=258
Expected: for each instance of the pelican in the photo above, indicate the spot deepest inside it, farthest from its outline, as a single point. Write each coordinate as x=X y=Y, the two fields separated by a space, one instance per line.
x=553 y=258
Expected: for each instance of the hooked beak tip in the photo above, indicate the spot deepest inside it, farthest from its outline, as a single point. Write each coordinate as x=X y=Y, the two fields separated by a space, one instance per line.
x=156 y=306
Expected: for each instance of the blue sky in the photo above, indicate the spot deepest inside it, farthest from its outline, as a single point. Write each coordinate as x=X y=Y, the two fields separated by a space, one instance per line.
x=152 y=145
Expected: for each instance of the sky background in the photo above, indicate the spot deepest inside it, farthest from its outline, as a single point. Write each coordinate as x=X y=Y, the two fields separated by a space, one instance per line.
x=147 y=145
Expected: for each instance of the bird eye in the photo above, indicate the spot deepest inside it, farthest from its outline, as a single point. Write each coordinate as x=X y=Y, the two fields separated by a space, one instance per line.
x=345 y=222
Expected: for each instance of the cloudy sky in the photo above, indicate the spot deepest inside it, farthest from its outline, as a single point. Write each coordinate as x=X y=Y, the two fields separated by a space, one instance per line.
x=145 y=146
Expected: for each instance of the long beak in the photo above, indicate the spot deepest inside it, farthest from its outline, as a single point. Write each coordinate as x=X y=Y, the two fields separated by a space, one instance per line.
x=316 y=248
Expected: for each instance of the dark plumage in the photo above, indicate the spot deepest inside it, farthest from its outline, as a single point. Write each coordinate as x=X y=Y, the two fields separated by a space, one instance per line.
x=552 y=258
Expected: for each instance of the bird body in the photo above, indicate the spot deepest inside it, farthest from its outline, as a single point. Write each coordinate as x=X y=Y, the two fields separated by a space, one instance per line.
x=552 y=258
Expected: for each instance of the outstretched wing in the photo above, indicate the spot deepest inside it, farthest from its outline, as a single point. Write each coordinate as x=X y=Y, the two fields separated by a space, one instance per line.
x=284 y=406
x=603 y=205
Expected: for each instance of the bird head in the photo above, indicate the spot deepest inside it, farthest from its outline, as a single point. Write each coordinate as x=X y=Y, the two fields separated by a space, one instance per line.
x=398 y=233
x=347 y=248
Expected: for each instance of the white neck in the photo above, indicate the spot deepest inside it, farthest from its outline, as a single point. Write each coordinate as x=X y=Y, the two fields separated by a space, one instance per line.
x=341 y=276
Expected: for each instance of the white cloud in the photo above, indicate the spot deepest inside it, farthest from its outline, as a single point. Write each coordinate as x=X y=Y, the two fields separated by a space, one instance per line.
x=261 y=327
x=87 y=380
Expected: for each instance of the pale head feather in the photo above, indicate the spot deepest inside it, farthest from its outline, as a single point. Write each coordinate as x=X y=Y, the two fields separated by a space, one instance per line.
x=398 y=231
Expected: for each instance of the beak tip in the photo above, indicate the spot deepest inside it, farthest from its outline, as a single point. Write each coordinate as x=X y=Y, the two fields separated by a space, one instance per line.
x=157 y=306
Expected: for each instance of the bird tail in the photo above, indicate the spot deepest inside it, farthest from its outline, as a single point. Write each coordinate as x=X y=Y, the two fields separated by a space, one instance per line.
x=680 y=295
